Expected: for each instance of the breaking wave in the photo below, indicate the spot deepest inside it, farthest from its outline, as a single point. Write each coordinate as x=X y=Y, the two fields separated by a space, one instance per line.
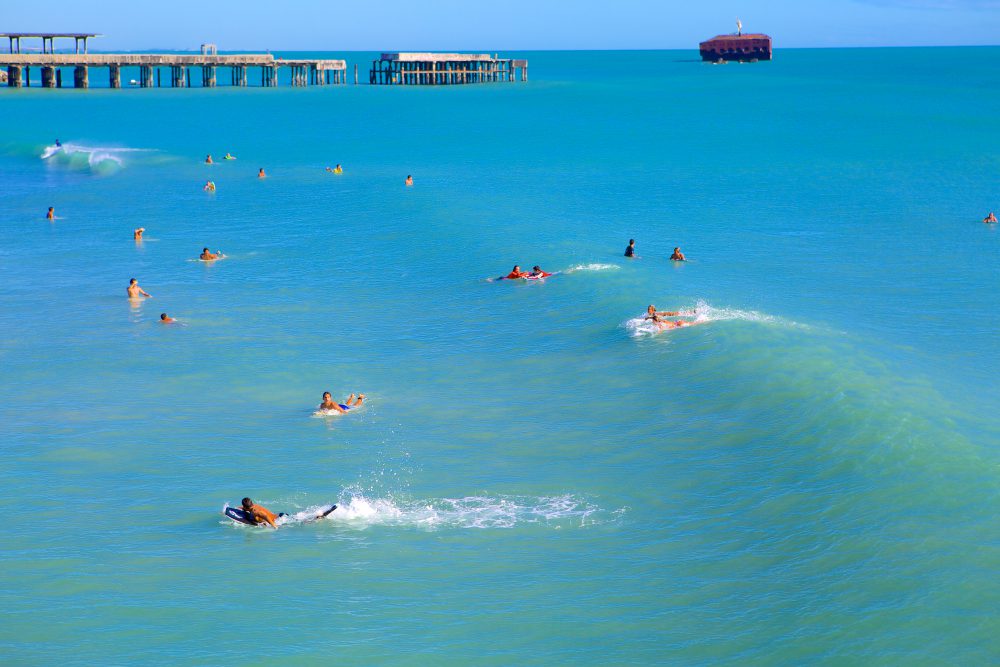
x=98 y=159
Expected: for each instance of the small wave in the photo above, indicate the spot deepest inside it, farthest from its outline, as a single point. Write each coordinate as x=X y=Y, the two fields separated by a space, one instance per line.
x=99 y=159
x=702 y=312
x=592 y=267
x=469 y=512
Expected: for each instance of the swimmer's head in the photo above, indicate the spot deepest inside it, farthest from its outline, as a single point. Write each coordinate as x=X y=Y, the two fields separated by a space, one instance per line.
x=536 y=268
x=631 y=241
x=516 y=269
x=132 y=281
x=677 y=249
x=326 y=395
x=204 y=249
x=247 y=503
x=163 y=316
x=651 y=308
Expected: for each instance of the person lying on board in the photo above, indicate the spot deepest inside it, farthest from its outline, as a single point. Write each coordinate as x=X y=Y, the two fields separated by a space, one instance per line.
x=516 y=273
x=351 y=403
x=259 y=514
x=536 y=272
x=652 y=313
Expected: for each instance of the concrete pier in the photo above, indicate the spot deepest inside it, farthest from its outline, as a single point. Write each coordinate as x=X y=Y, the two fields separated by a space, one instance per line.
x=313 y=72
x=436 y=69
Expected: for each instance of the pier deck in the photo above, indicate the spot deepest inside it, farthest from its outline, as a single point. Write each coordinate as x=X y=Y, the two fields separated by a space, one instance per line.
x=435 y=69
x=303 y=72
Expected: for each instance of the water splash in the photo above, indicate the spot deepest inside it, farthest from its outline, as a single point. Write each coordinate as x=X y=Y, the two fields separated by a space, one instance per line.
x=701 y=313
x=360 y=512
x=592 y=267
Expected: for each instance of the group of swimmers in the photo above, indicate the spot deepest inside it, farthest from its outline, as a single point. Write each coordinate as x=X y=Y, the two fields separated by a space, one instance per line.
x=678 y=256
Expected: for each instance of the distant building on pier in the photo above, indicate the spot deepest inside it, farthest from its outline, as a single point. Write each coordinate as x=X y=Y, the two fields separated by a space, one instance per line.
x=739 y=47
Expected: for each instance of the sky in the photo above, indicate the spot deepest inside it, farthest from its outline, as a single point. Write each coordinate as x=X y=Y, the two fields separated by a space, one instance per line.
x=394 y=25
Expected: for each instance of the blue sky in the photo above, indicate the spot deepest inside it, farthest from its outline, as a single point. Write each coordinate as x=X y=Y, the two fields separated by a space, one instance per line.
x=507 y=24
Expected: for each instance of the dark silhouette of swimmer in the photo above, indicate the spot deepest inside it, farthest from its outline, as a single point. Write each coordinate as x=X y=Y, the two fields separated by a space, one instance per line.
x=630 y=250
x=166 y=319
x=989 y=218
x=51 y=215
x=678 y=256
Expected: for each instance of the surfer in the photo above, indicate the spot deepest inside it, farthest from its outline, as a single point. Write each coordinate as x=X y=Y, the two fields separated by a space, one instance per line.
x=516 y=273
x=989 y=219
x=258 y=514
x=51 y=215
x=653 y=314
x=678 y=256
x=630 y=250
x=209 y=256
x=137 y=234
x=351 y=403
x=409 y=181
x=261 y=174
x=209 y=186
x=208 y=159
x=166 y=319
x=536 y=272
x=134 y=291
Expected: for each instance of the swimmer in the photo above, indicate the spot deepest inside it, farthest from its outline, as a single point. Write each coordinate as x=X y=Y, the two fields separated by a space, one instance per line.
x=536 y=272
x=338 y=170
x=58 y=144
x=208 y=159
x=350 y=403
x=668 y=324
x=51 y=215
x=209 y=256
x=259 y=514
x=166 y=319
x=516 y=273
x=228 y=156
x=991 y=218
x=209 y=186
x=261 y=174
x=409 y=181
x=137 y=234
x=653 y=314
x=678 y=256
x=630 y=250
x=134 y=291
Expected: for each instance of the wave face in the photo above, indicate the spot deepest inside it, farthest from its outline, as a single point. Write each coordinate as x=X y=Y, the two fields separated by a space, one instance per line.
x=100 y=160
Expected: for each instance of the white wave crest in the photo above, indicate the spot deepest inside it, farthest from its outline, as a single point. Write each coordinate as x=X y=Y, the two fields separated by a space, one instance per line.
x=592 y=267
x=96 y=158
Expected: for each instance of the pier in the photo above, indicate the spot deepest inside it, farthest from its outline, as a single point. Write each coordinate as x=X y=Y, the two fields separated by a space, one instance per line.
x=440 y=69
x=182 y=68
x=302 y=72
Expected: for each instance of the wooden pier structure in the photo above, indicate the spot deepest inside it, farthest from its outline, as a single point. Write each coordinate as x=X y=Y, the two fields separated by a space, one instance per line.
x=441 y=69
x=18 y=66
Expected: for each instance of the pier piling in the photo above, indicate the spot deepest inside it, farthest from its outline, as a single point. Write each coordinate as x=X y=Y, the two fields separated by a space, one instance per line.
x=115 y=76
x=80 y=78
x=48 y=77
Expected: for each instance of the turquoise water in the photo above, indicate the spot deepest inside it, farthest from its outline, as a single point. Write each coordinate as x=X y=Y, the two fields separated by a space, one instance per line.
x=808 y=476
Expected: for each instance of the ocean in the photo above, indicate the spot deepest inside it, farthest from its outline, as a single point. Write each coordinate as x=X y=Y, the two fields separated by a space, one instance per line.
x=537 y=477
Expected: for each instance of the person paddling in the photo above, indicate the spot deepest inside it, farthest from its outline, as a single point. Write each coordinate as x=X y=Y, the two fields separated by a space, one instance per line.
x=258 y=514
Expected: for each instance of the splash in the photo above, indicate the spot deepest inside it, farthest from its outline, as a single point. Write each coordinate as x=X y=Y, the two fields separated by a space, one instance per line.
x=702 y=312
x=360 y=512
x=592 y=267
x=98 y=159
